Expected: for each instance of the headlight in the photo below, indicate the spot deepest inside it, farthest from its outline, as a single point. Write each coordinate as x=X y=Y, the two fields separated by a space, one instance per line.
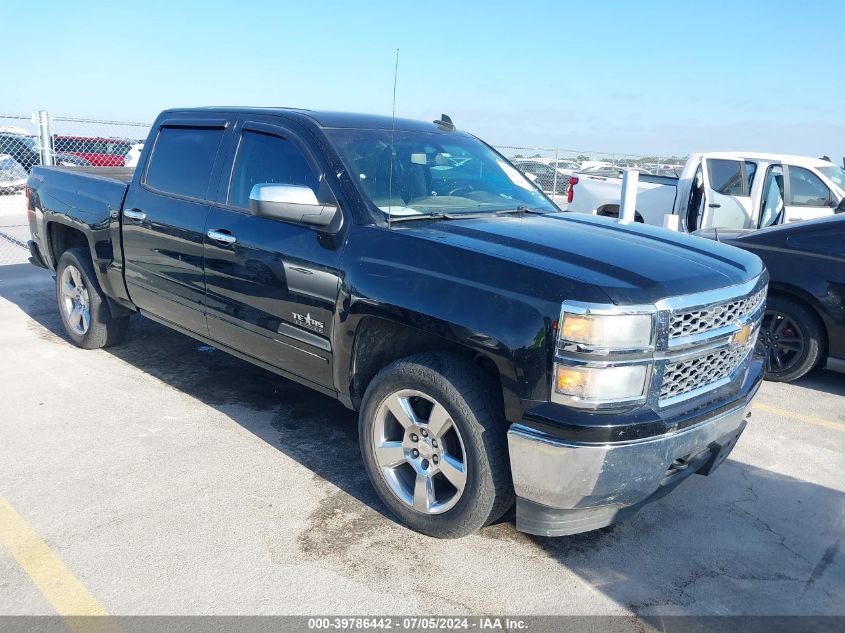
x=601 y=384
x=604 y=356
x=607 y=331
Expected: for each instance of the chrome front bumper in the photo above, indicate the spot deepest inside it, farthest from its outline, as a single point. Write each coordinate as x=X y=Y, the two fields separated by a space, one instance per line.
x=567 y=488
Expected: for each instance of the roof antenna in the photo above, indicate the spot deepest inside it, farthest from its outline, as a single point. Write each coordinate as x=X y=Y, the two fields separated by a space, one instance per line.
x=445 y=123
x=392 y=135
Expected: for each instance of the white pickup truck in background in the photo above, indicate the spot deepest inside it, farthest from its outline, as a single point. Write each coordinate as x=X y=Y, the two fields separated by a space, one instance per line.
x=740 y=190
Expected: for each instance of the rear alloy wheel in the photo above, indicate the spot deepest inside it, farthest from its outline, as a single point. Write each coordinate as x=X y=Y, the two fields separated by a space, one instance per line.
x=791 y=339
x=76 y=302
x=85 y=312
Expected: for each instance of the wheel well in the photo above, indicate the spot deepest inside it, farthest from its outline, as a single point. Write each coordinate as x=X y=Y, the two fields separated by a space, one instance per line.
x=62 y=237
x=380 y=342
x=612 y=211
x=794 y=296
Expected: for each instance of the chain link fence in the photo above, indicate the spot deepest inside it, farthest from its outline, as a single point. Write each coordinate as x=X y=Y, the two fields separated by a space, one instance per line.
x=40 y=139
x=551 y=168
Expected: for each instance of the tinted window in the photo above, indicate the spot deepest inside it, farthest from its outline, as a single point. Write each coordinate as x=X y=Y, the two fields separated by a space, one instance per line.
x=182 y=160
x=750 y=170
x=695 y=204
x=731 y=177
x=806 y=189
x=266 y=158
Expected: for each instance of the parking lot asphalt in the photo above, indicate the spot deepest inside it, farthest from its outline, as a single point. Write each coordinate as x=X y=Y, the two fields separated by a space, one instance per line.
x=165 y=477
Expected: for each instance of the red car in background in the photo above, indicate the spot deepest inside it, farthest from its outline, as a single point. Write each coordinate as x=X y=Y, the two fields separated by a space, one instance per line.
x=100 y=152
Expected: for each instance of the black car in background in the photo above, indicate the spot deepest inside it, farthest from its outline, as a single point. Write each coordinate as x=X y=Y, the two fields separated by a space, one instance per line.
x=24 y=150
x=804 y=323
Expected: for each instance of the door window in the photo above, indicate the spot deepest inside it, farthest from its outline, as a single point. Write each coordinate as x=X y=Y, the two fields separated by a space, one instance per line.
x=695 y=204
x=265 y=158
x=772 y=203
x=731 y=177
x=182 y=160
x=806 y=189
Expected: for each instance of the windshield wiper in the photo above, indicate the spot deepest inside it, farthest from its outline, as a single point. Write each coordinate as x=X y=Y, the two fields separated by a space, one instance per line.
x=464 y=216
x=438 y=216
x=522 y=210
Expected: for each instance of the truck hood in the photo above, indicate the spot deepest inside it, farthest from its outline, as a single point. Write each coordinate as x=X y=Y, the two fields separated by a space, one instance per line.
x=632 y=264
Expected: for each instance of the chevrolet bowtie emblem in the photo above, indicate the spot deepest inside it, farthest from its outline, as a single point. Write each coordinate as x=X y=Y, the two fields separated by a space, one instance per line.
x=743 y=335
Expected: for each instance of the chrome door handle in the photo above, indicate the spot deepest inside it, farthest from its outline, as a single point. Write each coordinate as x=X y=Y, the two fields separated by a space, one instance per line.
x=134 y=214
x=223 y=238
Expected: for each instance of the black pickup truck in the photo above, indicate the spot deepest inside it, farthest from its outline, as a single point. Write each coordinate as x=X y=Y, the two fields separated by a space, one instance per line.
x=496 y=348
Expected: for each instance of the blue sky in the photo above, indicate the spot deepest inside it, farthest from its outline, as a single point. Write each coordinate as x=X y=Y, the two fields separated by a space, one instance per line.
x=639 y=77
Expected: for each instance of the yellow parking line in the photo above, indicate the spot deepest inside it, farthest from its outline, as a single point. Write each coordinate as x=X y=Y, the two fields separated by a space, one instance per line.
x=68 y=596
x=801 y=417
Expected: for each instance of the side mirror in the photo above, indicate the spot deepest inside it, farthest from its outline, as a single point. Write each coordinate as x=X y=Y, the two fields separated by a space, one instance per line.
x=290 y=203
x=840 y=208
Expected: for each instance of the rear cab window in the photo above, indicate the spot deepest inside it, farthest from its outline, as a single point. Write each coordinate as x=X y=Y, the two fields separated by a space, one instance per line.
x=182 y=160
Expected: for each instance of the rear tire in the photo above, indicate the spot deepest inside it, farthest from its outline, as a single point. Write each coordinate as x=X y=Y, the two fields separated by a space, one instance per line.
x=441 y=462
x=792 y=339
x=82 y=305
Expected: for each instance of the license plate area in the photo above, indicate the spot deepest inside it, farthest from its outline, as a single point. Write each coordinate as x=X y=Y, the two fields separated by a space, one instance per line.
x=720 y=449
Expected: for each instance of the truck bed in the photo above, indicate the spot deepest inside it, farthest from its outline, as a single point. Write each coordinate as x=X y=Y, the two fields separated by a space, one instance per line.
x=84 y=194
x=123 y=174
x=671 y=181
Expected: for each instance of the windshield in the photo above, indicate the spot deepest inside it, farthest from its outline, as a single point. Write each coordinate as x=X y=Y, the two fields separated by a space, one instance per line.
x=836 y=174
x=434 y=173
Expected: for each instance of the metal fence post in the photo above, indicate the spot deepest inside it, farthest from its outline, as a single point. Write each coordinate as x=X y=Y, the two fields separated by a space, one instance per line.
x=554 y=183
x=630 y=179
x=44 y=138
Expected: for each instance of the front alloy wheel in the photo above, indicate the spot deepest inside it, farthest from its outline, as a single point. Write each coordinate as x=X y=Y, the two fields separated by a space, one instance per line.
x=792 y=339
x=781 y=341
x=419 y=451
x=434 y=443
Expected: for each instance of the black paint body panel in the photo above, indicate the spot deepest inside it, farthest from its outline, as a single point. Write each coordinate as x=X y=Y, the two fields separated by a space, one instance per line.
x=492 y=286
x=806 y=260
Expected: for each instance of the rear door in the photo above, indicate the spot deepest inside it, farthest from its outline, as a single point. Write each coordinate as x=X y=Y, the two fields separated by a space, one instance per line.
x=727 y=193
x=164 y=218
x=807 y=197
x=272 y=286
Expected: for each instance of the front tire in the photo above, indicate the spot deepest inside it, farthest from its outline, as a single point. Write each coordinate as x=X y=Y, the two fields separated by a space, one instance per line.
x=82 y=305
x=791 y=339
x=434 y=442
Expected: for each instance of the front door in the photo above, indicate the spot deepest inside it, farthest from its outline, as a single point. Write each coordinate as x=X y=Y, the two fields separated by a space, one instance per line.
x=727 y=191
x=272 y=286
x=807 y=197
x=772 y=206
x=164 y=220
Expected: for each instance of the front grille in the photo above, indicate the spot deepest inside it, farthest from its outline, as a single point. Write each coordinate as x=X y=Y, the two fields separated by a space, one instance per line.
x=688 y=375
x=704 y=320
